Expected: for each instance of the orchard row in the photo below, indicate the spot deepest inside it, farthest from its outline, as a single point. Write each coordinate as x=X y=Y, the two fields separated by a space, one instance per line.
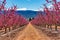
x=51 y=16
x=9 y=18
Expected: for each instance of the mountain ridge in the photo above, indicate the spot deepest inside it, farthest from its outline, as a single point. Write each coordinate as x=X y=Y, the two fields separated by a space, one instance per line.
x=28 y=13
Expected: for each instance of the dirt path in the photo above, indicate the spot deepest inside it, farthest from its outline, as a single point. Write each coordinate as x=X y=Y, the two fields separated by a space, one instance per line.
x=31 y=33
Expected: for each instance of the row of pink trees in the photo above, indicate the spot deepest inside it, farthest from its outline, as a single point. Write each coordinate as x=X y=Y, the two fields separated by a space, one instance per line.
x=51 y=17
x=9 y=18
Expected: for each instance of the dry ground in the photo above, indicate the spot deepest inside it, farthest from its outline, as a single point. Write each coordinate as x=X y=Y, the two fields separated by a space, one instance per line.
x=29 y=32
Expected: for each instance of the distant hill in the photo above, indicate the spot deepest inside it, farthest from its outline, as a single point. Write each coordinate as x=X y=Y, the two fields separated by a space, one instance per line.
x=28 y=13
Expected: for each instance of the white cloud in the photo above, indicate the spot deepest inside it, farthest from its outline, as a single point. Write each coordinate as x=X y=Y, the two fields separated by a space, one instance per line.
x=50 y=6
x=35 y=10
x=22 y=9
x=41 y=9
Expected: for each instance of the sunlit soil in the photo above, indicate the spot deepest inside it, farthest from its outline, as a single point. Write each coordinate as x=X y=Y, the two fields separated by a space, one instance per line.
x=31 y=33
x=53 y=35
x=12 y=34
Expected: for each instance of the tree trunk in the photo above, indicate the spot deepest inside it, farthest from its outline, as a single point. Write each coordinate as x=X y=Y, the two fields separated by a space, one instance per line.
x=5 y=29
x=9 y=29
x=55 y=28
x=50 y=27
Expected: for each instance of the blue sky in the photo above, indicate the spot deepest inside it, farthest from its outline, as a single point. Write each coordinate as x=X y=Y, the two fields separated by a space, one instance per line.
x=26 y=4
